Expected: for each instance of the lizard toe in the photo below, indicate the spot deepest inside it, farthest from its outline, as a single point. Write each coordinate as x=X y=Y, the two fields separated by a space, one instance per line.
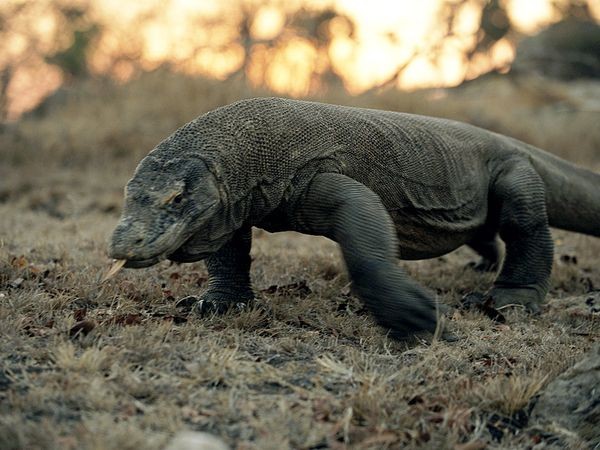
x=220 y=302
x=186 y=304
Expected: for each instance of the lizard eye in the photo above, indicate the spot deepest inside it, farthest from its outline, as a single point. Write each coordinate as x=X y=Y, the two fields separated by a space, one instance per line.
x=177 y=199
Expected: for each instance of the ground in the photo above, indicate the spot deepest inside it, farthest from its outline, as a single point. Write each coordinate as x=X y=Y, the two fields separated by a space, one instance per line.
x=119 y=365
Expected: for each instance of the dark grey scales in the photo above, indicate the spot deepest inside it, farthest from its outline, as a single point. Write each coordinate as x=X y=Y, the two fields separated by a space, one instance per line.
x=384 y=185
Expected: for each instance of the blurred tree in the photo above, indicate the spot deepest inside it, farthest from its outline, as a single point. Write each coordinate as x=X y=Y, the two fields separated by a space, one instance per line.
x=73 y=60
x=77 y=40
x=573 y=9
x=299 y=23
x=33 y=34
x=5 y=77
x=495 y=25
x=316 y=27
x=566 y=50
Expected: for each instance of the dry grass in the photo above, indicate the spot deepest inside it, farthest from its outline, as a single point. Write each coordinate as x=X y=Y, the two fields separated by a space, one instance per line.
x=305 y=367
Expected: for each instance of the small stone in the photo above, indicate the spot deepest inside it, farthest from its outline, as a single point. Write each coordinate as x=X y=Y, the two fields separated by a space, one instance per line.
x=17 y=282
x=194 y=440
x=572 y=400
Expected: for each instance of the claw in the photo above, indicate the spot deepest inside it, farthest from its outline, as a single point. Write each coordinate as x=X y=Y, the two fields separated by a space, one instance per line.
x=207 y=306
x=484 y=304
x=187 y=303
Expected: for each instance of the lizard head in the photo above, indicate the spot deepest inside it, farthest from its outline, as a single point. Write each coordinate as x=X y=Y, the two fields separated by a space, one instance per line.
x=166 y=202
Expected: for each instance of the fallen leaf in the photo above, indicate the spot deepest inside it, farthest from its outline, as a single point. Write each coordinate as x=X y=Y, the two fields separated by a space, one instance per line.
x=177 y=320
x=84 y=327
x=79 y=314
x=477 y=444
x=321 y=410
x=126 y=319
x=19 y=262
x=299 y=288
x=483 y=304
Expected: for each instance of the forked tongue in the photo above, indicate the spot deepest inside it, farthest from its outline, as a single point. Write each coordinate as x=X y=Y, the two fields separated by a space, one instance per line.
x=117 y=265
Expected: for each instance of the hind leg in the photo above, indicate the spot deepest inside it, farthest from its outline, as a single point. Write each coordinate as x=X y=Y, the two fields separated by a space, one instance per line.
x=351 y=214
x=519 y=195
x=488 y=249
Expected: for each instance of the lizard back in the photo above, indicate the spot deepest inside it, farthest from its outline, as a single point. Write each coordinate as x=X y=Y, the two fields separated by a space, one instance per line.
x=273 y=144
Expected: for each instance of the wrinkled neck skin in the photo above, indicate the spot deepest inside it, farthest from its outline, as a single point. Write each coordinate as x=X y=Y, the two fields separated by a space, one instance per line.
x=209 y=238
x=176 y=209
x=249 y=210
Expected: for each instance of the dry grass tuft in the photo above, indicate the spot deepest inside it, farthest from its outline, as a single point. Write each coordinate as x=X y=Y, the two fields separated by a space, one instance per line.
x=117 y=365
x=511 y=394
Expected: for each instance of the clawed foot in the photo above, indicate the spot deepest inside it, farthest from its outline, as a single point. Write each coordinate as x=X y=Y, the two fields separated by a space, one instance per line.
x=483 y=304
x=214 y=302
x=500 y=298
x=529 y=298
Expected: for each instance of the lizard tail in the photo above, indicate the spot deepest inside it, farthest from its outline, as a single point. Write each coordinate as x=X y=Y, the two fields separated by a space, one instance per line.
x=572 y=193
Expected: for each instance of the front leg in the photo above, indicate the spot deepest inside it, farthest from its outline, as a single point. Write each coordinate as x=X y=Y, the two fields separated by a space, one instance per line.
x=228 y=276
x=348 y=212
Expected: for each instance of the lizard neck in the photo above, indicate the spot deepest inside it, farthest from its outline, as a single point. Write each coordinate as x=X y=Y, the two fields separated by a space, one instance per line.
x=263 y=200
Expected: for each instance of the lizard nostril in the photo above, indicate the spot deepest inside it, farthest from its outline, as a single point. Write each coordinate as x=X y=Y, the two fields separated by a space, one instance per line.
x=139 y=241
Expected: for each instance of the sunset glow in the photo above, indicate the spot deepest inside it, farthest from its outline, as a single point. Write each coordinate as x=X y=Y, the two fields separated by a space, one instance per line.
x=531 y=14
x=199 y=37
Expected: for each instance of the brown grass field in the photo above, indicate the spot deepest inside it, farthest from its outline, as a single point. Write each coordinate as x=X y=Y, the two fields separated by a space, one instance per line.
x=85 y=365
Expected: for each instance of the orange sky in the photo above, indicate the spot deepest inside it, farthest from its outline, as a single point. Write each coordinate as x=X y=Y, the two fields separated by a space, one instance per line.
x=388 y=34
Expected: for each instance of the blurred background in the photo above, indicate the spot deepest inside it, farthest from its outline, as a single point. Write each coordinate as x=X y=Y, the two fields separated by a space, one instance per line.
x=88 y=81
x=291 y=47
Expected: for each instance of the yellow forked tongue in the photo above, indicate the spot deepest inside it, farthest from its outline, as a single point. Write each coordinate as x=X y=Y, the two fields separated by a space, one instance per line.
x=117 y=265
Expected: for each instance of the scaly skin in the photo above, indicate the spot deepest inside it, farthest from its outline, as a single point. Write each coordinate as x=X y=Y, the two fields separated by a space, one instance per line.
x=382 y=184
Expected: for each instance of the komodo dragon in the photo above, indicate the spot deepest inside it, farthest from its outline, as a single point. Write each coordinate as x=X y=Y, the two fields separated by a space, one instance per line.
x=381 y=184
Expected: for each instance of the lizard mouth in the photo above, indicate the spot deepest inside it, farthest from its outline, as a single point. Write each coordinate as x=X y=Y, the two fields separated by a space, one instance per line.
x=140 y=263
x=177 y=255
x=154 y=250
x=135 y=263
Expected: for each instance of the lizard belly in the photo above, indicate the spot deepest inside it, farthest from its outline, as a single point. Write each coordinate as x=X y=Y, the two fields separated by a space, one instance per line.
x=425 y=244
x=427 y=235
